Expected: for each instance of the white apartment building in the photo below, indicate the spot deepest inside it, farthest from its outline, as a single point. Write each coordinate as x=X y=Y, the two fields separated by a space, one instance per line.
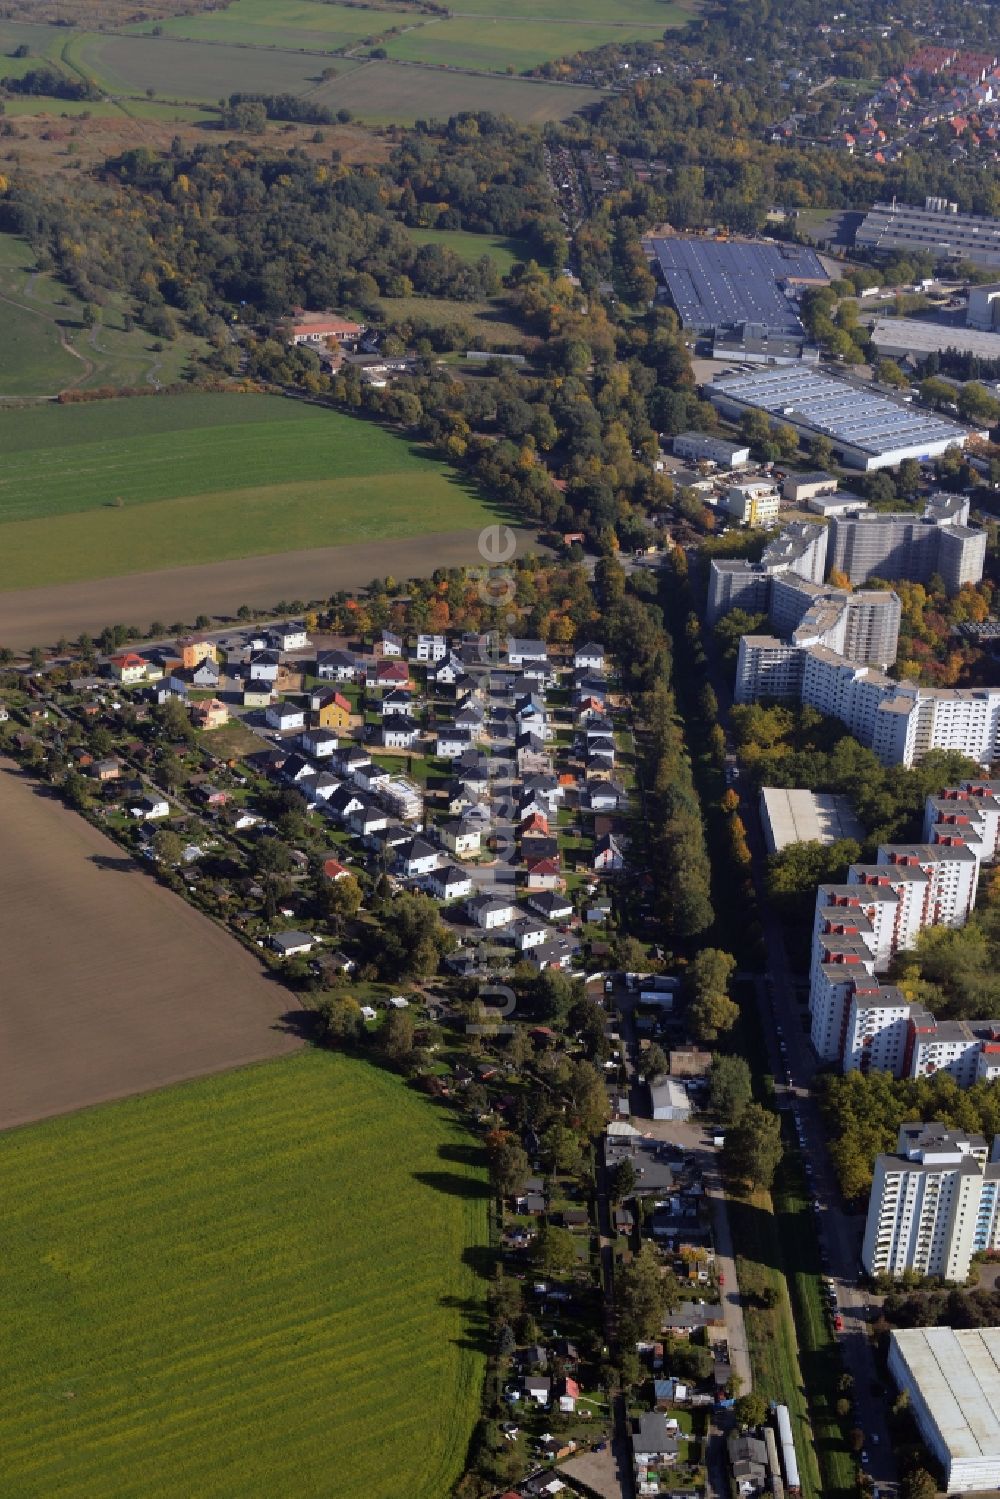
x=431 y=648
x=878 y=1029
x=830 y=991
x=952 y=871
x=767 y=667
x=924 y=1210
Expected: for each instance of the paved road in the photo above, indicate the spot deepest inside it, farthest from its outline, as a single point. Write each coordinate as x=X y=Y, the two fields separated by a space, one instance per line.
x=781 y=1002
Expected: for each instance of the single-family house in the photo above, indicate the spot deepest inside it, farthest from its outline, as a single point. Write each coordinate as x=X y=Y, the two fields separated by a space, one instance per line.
x=149 y=807
x=606 y=795
x=452 y=742
x=292 y=944
x=388 y=645
x=459 y=838
x=344 y=803
x=544 y=874
x=394 y=701
x=333 y=870
x=557 y=952
x=207 y=674
x=211 y=714
x=332 y=712
x=383 y=674
x=128 y=668
x=320 y=743
x=257 y=695
x=336 y=666
x=322 y=328
x=167 y=688
x=519 y=652
x=539 y=846
x=418 y=857
x=589 y=657
x=446 y=672
x=551 y=904
x=536 y=824
x=351 y=758
x=369 y=818
x=431 y=648
x=609 y=856
x=290 y=637
x=567 y=1393
x=192 y=650
x=449 y=883
x=654 y=1446
x=527 y=932
x=263 y=667
x=490 y=911
x=399 y=732
x=108 y=769
x=285 y=716
x=470 y=716
x=536 y=1387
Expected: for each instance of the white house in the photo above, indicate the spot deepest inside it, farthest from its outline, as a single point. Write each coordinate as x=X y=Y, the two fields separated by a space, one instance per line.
x=431 y=648
x=148 y=808
x=463 y=841
x=551 y=904
x=291 y=637
x=490 y=911
x=451 y=743
x=285 y=716
x=320 y=743
x=608 y=855
x=336 y=666
x=589 y=657
x=605 y=796
x=264 y=667
x=521 y=651
x=448 y=671
x=418 y=857
x=394 y=701
x=449 y=883
x=388 y=644
x=369 y=819
x=668 y=1099
x=399 y=733
x=291 y=944
x=529 y=933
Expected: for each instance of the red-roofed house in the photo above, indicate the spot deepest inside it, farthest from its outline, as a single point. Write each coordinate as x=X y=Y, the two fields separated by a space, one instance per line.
x=334 y=712
x=128 y=668
x=545 y=874
x=334 y=870
x=320 y=327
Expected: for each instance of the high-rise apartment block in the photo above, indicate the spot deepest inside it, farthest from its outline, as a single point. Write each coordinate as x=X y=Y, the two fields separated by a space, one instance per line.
x=933 y=1204
x=863 y=1024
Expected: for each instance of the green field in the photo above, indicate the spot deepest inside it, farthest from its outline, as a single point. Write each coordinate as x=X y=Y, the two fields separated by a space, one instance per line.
x=487 y=320
x=189 y=71
x=494 y=43
x=295 y=23
x=204 y=478
x=383 y=93
x=46 y=346
x=251 y=1285
x=506 y=252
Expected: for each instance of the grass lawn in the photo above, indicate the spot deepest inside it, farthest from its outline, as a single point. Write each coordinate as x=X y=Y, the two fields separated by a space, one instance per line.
x=494 y=43
x=204 y=478
x=505 y=252
x=285 y=23
x=488 y=321
x=253 y=1284
x=41 y=317
x=230 y=742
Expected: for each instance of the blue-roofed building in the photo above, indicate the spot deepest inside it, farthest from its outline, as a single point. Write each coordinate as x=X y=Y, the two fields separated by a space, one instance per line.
x=718 y=285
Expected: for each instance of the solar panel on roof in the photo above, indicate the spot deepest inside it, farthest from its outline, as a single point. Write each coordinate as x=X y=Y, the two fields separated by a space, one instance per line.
x=717 y=285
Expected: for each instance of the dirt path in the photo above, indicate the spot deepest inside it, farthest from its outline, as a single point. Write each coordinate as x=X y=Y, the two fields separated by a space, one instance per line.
x=111 y=984
x=39 y=616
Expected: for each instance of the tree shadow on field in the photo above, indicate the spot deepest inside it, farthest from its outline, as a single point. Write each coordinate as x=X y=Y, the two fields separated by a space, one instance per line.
x=463 y=1154
x=452 y=1184
x=300 y=1023
x=112 y=865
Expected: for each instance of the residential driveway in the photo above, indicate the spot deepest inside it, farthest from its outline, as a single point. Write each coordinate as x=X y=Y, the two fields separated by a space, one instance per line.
x=606 y=1473
x=697 y=1145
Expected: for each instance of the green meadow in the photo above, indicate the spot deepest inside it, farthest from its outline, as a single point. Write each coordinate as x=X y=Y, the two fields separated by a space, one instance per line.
x=255 y=1284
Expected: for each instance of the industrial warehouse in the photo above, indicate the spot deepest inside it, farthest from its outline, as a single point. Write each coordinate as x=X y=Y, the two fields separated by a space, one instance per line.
x=741 y=295
x=911 y=338
x=937 y=229
x=952 y=1379
x=868 y=431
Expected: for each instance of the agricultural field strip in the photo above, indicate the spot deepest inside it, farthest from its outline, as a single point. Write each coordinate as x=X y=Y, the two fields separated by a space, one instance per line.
x=171 y=1379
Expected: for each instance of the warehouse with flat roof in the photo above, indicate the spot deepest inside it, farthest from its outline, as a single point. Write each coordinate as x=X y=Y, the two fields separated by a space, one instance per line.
x=869 y=431
x=806 y=817
x=937 y=228
x=726 y=284
x=952 y=1378
x=909 y=338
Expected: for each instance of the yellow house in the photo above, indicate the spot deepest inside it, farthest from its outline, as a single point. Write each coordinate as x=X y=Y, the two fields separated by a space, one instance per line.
x=194 y=652
x=334 y=712
x=212 y=714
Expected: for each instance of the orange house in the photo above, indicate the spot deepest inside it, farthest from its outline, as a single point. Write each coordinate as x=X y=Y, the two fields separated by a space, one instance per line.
x=211 y=714
x=334 y=712
x=194 y=652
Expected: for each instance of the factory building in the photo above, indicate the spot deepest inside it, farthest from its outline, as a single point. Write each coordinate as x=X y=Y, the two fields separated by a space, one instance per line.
x=952 y=1380
x=868 y=431
x=937 y=229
